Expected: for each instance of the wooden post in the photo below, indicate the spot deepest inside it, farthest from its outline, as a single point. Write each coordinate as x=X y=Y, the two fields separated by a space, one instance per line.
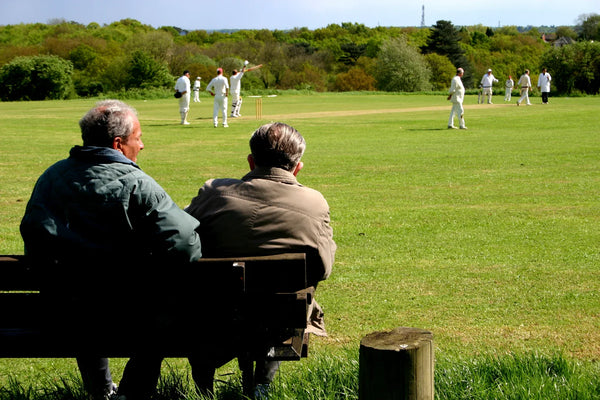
x=396 y=365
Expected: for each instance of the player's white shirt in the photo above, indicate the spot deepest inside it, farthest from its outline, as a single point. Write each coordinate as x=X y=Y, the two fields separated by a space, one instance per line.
x=219 y=84
x=488 y=80
x=524 y=81
x=235 y=82
x=457 y=90
x=183 y=84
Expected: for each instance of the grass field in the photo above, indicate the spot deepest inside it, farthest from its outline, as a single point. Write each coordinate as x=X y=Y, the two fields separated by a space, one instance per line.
x=487 y=237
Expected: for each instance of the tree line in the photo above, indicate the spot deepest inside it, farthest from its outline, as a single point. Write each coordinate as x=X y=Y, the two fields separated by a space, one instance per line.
x=66 y=59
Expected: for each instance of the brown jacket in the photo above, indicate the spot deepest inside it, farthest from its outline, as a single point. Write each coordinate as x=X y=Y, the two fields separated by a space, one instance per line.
x=267 y=212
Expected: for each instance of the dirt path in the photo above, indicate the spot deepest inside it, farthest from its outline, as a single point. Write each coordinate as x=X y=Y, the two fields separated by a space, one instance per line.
x=347 y=113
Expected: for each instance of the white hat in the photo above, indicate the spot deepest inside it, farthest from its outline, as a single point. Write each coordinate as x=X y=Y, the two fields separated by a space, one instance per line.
x=490 y=70
x=198 y=78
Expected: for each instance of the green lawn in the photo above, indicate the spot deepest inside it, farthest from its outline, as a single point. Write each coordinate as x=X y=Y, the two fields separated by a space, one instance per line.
x=487 y=237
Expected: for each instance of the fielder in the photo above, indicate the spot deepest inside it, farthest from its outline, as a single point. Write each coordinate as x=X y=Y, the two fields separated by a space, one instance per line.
x=486 y=82
x=219 y=89
x=197 y=90
x=235 y=85
x=508 y=88
x=183 y=86
x=457 y=95
x=525 y=83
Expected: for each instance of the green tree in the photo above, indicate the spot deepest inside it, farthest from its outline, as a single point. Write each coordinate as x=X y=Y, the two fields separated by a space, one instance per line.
x=566 y=31
x=445 y=40
x=574 y=67
x=158 y=44
x=36 y=78
x=309 y=78
x=589 y=26
x=401 y=68
x=82 y=56
x=144 y=72
x=442 y=71
x=352 y=52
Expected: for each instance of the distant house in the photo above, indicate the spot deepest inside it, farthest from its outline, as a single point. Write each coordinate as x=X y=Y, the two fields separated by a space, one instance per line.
x=563 y=41
x=549 y=37
x=557 y=42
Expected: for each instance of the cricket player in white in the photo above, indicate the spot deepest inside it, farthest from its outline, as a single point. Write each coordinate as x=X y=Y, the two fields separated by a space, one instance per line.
x=183 y=86
x=457 y=95
x=525 y=83
x=197 y=90
x=235 y=86
x=486 y=82
x=508 y=87
x=219 y=88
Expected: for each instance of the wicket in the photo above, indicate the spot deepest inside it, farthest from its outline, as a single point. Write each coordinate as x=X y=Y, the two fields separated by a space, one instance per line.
x=258 y=106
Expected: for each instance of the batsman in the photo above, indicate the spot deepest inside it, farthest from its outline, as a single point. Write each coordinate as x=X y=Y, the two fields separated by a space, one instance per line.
x=235 y=87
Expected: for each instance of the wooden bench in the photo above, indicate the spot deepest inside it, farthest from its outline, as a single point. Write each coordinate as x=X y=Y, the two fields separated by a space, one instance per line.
x=254 y=306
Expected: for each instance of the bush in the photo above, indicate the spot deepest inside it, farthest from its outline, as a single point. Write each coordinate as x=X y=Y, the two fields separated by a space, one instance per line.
x=355 y=79
x=36 y=78
x=574 y=68
x=145 y=72
x=401 y=68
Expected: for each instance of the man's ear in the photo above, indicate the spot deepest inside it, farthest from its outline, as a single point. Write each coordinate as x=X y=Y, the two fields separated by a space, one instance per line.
x=299 y=166
x=117 y=143
x=251 y=163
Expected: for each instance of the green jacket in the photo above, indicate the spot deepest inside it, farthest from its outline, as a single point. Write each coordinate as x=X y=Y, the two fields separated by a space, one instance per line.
x=99 y=205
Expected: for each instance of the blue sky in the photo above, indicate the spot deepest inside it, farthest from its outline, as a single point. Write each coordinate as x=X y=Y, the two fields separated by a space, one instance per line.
x=288 y=14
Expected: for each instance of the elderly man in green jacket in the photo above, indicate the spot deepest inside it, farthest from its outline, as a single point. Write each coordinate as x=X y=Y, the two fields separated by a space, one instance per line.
x=111 y=224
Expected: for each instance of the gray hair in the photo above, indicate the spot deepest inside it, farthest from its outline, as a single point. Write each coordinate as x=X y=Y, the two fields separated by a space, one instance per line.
x=107 y=120
x=277 y=145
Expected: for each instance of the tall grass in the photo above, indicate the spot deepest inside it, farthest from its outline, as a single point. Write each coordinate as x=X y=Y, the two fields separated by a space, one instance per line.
x=334 y=376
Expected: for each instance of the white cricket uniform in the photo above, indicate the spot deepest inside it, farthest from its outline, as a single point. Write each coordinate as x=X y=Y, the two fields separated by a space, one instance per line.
x=183 y=85
x=235 y=87
x=525 y=83
x=197 y=91
x=486 y=82
x=508 y=86
x=219 y=86
x=457 y=90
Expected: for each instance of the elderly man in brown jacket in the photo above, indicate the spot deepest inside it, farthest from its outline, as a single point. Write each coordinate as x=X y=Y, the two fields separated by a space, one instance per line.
x=266 y=212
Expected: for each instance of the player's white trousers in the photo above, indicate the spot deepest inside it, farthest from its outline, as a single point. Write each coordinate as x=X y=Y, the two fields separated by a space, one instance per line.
x=524 y=96
x=457 y=109
x=220 y=105
x=236 y=104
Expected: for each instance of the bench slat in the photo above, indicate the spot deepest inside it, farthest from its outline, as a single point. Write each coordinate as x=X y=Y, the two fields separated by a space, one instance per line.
x=266 y=297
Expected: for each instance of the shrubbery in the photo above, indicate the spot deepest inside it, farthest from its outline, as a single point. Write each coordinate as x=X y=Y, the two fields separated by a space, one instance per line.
x=36 y=78
x=94 y=60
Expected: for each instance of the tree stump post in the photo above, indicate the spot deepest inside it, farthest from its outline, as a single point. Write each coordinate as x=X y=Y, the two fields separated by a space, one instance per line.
x=396 y=365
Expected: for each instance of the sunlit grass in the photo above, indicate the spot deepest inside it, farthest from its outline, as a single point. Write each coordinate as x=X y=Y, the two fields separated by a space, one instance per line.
x=487 y=237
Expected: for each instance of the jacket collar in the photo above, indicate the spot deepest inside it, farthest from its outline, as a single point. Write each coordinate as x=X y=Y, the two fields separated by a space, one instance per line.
x=101 y=155
x=273 y=174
